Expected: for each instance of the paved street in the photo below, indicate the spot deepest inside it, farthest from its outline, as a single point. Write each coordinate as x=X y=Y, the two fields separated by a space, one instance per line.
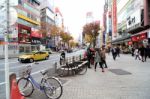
x=15 y=67
x=133 y=83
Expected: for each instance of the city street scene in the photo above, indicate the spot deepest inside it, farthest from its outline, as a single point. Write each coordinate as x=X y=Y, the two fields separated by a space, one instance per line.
x=74 y=49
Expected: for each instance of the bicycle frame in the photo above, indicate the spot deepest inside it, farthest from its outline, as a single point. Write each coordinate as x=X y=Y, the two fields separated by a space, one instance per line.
x=36 y=84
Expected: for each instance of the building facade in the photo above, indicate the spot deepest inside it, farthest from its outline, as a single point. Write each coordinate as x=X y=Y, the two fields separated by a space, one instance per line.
x=132 y=22
x=47 y=19
x=25 y=29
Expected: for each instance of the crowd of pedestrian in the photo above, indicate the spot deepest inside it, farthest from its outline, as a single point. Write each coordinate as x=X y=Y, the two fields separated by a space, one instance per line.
x=141 y=52
x=97 y=56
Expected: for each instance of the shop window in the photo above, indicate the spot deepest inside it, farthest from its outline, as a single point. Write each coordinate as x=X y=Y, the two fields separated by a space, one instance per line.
x=21 y=49
x=27 y=49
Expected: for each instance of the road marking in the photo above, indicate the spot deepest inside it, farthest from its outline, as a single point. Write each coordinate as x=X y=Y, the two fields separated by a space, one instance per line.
x=27 y=64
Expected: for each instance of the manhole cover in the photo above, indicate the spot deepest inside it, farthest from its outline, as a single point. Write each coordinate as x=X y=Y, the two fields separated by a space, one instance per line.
x=120 y=72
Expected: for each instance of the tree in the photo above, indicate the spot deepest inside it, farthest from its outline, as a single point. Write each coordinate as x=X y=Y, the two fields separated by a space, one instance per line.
x=66 y=37
x=91 y=31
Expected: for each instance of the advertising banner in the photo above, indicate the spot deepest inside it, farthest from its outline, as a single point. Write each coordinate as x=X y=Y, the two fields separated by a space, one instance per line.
x=114 y=17
x=134 y=19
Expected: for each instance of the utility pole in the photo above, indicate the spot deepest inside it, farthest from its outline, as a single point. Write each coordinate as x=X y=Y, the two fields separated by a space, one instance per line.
x=6 y=52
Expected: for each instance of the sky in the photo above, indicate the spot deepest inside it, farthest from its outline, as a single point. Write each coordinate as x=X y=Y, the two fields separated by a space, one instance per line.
x=74 y=13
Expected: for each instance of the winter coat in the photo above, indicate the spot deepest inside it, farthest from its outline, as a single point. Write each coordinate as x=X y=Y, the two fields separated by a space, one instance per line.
x=97 y=57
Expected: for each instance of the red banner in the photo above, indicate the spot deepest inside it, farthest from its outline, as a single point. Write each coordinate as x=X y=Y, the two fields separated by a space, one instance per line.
x=139 y=37
x=36 y=34
x=114 y=17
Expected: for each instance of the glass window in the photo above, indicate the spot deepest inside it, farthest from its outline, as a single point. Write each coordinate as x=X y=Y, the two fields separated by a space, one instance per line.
x=21 y=49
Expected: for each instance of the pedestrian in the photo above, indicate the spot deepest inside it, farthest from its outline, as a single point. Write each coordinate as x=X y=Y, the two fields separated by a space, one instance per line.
x=92 y=55
x=118 y=51
x=62 y=57
x=98 y=59
x=114 y=52
x=132 y=51
x=137 y=54
x=89 y=55
x=103 y=56
x=147 y=52
x=142 y=52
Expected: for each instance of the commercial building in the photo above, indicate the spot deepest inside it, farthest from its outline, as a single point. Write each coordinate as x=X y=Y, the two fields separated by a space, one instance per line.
x=47 y=19
x=133 y=23
x=25 y=28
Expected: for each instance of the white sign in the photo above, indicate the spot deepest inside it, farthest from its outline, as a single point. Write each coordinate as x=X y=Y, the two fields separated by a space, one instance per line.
x=134 y=19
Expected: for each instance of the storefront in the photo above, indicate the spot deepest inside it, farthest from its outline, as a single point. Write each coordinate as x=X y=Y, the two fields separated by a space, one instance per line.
x=36 y=40
x=139 y=39
x=24 y=39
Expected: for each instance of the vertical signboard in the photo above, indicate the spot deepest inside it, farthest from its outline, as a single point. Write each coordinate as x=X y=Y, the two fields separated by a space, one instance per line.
x=114 y=17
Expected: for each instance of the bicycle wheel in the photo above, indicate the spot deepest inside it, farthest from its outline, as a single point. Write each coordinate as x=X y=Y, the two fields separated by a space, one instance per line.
x=25 y=87
x=53 y=88
x=82 y=70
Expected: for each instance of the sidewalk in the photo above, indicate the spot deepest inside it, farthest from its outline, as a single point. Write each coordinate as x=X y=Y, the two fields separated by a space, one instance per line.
x=125 y=78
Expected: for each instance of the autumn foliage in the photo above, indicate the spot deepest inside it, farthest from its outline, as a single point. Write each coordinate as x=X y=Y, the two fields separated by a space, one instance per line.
x=91 y=31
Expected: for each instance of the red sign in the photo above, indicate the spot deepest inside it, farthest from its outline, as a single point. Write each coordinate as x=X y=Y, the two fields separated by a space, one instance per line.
x=36 y=34
x=130 y=43
x=139 y=37
x=114 y=17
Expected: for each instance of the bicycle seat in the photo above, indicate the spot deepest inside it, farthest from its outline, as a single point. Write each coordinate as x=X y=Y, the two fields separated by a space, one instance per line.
x=44 y=72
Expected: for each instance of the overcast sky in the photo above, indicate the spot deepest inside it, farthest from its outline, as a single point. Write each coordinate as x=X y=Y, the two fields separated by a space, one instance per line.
x=74 y=13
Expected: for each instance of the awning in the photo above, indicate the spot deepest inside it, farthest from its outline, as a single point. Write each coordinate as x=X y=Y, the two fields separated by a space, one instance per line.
x=121 y=40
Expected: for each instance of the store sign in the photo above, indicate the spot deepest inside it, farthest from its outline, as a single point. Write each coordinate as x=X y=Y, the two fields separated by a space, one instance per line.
x=134 y=20
x=35 y=33
x=139 y=37
x=130 y=42
x=35 y=40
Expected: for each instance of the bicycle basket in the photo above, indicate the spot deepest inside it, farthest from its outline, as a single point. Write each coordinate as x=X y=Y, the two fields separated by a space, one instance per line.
x=24 y=72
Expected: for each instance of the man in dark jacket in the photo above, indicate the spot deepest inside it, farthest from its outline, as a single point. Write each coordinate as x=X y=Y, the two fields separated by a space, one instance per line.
x=142 y=52
x=89 y=56
x=114 y=52
x=147 y=52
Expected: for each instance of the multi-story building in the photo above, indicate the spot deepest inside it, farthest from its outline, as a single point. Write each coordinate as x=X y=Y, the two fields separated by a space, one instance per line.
x=133 y=23
x=24 y=34
x=28 y=25
x=59 y=22
x=47 y=19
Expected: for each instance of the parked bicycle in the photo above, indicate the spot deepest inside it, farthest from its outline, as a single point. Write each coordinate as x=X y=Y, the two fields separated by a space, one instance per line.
x=50 y=86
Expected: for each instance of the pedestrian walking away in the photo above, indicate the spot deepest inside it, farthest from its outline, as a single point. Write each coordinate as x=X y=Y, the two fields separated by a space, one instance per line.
x=103 y=56
x=114 y=52
x=147 y=52
x=98 y=59
x=118 y=51
x=89 y=55
x=142 y=52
